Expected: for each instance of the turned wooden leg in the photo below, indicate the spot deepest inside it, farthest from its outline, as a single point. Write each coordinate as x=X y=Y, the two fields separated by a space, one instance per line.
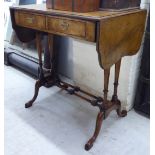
x=101 y=114
x=41 y=80
x=52 y=77
x=52 y=53
x=117 y=72
x=99 y=120
x=115 y=96
x=106 y=84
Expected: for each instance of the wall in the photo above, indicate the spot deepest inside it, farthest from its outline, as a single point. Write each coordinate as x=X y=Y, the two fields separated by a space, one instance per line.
x=79 y=61
x=8 y=31
x=7 y=20
x=135 y=66
x=89 y=73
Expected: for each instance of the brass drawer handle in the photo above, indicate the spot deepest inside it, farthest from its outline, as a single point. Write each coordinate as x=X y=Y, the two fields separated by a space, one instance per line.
x=30 y=20
x=64 y=25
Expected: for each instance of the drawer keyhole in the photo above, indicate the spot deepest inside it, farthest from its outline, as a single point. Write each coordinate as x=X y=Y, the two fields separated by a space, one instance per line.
x=30 y=20
x=64 y=25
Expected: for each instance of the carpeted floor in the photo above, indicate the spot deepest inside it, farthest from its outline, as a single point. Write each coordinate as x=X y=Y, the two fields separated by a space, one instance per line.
x=60 y=124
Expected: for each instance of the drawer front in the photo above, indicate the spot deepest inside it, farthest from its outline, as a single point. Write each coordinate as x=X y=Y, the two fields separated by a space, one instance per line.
x=30 y=20
x=76 y=28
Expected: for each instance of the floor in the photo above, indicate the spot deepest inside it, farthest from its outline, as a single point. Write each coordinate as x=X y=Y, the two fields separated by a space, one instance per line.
x=59 y=124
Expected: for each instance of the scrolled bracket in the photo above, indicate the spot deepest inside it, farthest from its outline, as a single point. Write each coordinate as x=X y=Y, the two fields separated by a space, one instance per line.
x=99 y=103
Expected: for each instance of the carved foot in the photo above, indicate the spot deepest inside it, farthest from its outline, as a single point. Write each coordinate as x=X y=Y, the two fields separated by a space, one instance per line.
x=99 y=120
x=28 y=104
x=89 y=144
x=37 y=86
x=122 y=113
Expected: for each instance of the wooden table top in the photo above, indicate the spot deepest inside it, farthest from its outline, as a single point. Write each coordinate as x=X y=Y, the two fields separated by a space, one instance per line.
x=118 y=33
x=96 y=15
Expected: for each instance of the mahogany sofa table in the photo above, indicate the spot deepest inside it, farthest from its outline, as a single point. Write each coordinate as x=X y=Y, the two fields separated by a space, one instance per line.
x=116 y=34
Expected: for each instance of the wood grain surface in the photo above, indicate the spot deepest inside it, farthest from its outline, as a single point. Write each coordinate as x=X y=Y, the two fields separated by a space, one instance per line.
x=120 y=36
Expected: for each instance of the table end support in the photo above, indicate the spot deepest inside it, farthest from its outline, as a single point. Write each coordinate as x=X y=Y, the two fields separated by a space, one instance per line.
x=37 y=86
x=99 y=121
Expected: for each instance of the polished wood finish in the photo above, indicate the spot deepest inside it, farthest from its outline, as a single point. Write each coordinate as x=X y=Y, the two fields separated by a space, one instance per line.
x=36 y=91
x=30 y=20
x=106 y=83
x=99 y=120
x=52 y=53
x=41 y=80
x=117 y=72
x=67 y=26
x=130 y=24
x=73 y=5
x=116 y=34
x=57 y=25
x=70 y=27
x=129 y=30
x=89 y=16
x=44 y=81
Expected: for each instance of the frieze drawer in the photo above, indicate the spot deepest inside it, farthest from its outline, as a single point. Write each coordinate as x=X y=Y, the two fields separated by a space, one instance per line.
x=75 y=28
x=30 y=20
